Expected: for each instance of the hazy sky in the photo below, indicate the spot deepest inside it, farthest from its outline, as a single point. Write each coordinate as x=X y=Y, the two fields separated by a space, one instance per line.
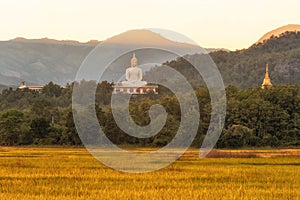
x=232 y=24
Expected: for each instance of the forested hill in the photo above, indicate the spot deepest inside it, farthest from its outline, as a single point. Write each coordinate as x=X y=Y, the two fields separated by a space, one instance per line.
x=40 y=61
x=45 y=60
x=245 y=68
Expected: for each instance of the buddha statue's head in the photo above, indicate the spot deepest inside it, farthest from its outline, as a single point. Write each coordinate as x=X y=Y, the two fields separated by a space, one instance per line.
x=133 y=61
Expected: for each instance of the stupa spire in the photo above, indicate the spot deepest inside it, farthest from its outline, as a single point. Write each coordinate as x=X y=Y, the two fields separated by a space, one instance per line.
x=267 y=81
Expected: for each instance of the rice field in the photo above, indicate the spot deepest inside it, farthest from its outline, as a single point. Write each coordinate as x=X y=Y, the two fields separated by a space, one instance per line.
x=71 y=173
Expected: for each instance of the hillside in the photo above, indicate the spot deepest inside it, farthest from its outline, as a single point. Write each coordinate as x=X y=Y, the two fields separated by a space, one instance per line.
x=277 y=32
x=39 y=61
x=2 y=87
x=246 y=68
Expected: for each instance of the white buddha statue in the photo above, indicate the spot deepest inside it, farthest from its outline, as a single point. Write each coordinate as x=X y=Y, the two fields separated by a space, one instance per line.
x=134 y=75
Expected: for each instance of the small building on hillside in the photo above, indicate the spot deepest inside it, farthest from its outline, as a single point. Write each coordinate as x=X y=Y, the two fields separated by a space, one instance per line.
x=34 y=88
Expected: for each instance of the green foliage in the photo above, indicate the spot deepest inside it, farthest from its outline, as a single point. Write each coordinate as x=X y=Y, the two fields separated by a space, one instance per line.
x=272 y=114
x=236 y=136
x=255 y=117
x=14 y=129
x=52 y=90
x=246 y=68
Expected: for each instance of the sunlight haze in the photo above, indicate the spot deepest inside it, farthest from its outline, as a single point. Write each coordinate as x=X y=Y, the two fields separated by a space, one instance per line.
x=228 y=24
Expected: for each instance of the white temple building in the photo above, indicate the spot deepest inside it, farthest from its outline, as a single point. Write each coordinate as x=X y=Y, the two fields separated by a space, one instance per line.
x=34 y=88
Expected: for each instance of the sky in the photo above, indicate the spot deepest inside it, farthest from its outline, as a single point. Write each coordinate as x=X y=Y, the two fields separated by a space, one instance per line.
x=230 y=24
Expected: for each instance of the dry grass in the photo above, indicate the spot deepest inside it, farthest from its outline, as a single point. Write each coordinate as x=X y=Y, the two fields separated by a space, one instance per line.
x=59 y=173
x=254 y=153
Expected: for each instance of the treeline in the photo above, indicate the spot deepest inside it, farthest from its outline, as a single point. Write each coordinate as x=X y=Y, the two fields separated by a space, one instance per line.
x=255 y=117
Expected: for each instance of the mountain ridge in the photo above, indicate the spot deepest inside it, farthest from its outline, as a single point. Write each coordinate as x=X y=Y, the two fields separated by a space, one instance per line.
x=53 y=41
x=278 y=31
x=39 y=61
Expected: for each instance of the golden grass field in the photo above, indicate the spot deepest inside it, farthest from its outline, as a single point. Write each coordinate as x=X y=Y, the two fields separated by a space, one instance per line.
x=71 y=173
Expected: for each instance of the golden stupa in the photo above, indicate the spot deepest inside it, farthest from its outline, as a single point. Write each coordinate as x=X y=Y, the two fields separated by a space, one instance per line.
x=267 y=82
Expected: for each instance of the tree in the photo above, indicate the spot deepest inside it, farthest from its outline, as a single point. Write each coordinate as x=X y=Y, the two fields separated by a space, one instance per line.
x=14 y=129
x=40 y=128
x=70 y=135
x=41 y=108
x=52 y=90
x=236 y=136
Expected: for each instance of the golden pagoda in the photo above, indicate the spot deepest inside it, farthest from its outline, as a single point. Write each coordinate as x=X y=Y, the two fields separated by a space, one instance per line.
x=267 y=82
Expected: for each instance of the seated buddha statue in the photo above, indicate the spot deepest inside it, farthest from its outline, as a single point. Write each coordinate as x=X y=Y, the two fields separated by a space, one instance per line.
x=134 y=75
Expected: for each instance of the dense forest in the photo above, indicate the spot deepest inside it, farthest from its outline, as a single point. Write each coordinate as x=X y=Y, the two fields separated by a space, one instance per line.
x=255 y=117
x=245 y=68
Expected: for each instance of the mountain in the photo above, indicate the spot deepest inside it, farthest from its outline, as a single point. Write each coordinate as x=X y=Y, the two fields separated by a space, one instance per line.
x=282 y=53
x=52 y=41
x=151 y=49
x=246 y=68
x=39 y=61
x=277 y=32
x=2 y=87
x=216 y=49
